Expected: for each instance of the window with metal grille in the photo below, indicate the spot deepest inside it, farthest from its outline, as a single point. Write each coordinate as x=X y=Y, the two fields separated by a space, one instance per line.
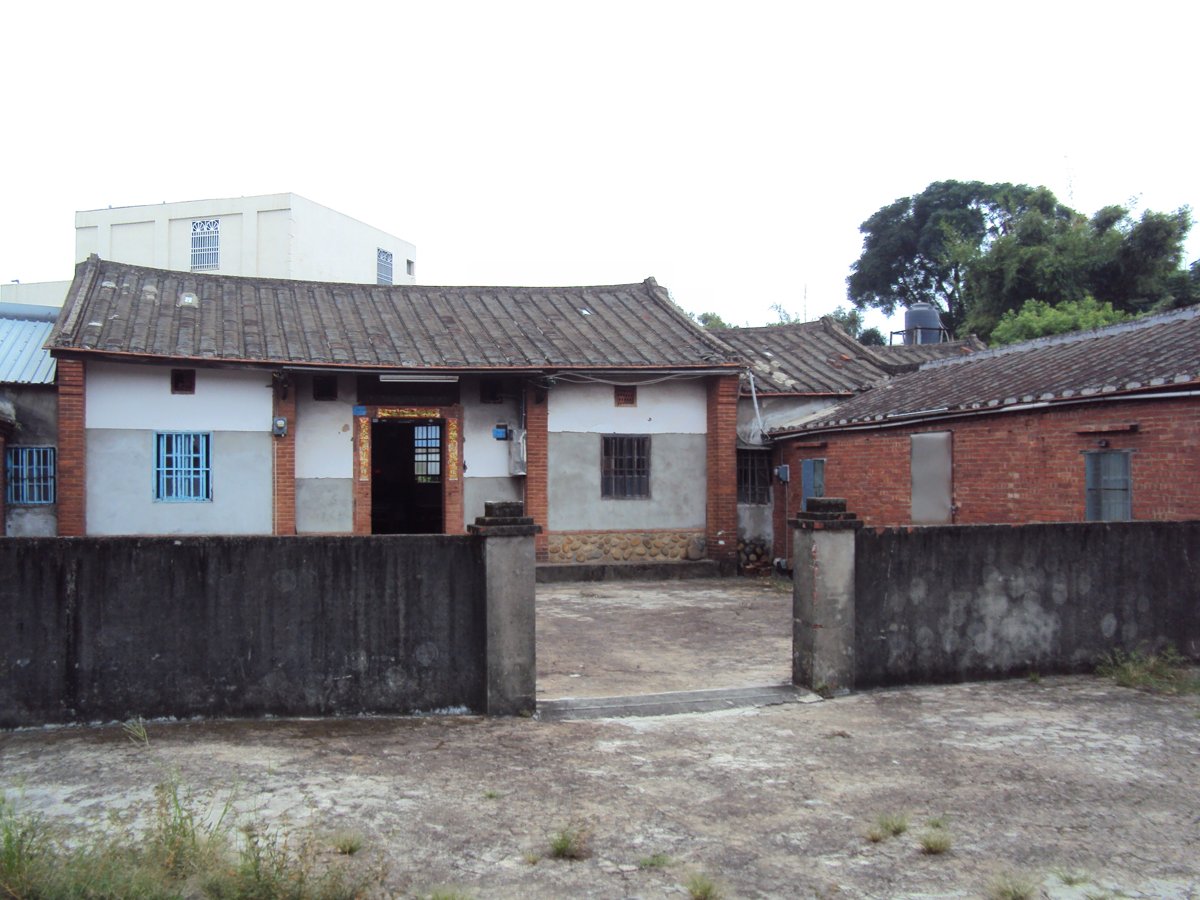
x=183 y=381
x=182 y=467
x=427 y=453
x=754 y=476
x=625 y=467
x=1109 y=487
x=206 y=245
x=30 y=475
x=383 y=266
x=625 y=395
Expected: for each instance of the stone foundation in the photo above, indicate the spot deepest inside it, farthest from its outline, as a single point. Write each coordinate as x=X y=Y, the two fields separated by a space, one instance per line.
x=754 y=555
x=625 y=546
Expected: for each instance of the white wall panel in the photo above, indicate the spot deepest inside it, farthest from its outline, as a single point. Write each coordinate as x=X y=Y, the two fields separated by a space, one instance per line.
x=324 y=431
x=670 y=407
x=131 y=396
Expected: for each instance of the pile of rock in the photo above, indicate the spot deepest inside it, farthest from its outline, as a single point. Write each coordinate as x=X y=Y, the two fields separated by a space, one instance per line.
x=754 y=555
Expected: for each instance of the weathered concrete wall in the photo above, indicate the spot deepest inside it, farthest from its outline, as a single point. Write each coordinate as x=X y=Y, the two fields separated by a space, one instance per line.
x=120 y=486
x=677 y=485
x=108 y=628
x=965 y=602
x=324 y=506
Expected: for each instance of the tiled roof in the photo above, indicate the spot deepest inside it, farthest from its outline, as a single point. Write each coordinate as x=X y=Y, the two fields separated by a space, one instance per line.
x=113 y=308
x=1153 y=354
x=908 y=357
x=805 y=358
x=22 y=359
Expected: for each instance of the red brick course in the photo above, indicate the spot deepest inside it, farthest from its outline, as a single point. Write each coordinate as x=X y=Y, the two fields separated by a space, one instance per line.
x=285 y=462
x=537 y=471
x=721 y=507
x=72 y=449
x=1015 y=468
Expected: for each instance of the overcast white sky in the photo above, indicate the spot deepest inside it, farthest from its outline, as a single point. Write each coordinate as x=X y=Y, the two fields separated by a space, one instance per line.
x=729 y=149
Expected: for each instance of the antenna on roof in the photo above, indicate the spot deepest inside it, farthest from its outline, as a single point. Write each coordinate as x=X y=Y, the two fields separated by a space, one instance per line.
x=804 y=311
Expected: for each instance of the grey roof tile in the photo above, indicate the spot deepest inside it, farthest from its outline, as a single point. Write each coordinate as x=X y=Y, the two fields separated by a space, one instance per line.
x=122 y=309
x=1155 y=352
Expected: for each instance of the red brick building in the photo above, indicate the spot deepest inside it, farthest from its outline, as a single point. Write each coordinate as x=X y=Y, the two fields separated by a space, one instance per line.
x=1098 y=425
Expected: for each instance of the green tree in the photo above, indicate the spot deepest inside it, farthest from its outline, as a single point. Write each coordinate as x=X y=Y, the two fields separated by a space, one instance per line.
x=712 y=320
x=921 y=247
x=1036 y=318
x=1134 y=265
x=851 y=322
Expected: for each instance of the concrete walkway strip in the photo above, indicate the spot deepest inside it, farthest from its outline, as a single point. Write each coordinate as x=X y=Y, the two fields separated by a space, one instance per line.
x=671 y=703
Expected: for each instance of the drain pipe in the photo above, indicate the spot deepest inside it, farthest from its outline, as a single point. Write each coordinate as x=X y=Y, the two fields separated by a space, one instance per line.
x=757 y=413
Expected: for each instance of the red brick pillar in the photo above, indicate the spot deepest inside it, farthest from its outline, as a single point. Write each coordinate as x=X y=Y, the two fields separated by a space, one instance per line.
x=285 y=458
x=72 y=449
x=537 y=440
x=721 y=519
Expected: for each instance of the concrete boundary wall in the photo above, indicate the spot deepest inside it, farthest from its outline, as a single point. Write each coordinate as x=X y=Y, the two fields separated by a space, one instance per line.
x=953 y=603
x=109 y=628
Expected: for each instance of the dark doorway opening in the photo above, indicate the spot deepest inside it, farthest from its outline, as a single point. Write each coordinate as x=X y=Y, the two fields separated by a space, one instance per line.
x=406 y=477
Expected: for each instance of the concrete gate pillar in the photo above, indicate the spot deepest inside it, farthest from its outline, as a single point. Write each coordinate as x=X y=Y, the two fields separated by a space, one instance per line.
x=510 y=579
x=823 y=596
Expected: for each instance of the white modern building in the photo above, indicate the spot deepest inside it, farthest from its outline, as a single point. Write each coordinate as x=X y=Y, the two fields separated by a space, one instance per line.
x=266 y=236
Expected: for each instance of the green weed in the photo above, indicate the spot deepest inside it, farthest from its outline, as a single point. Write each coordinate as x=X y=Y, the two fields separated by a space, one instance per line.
x=701 y=887
x=571 y=843
x=654 y=861
x=892 y=824
x=1165 y=672
x=935 y=841
x=347 y=843
x=1010 y=886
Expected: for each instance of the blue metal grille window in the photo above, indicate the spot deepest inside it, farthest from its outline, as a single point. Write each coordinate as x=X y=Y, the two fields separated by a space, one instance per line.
x=30 y=475
x=206 y=245
x=383 y=266
x=1109 y=488
x=183 y=467
x=427 y=453
x=625 y=467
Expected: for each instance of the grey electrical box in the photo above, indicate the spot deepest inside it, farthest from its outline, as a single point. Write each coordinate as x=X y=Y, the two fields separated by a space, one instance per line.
x=783 y=474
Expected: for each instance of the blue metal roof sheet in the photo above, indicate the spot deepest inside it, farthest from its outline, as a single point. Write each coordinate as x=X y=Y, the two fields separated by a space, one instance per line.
x=22 y=359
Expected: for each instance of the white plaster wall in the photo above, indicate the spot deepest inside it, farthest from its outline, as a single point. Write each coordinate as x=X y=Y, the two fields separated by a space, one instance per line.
x=777 y=412
x=325 y=431
x=129 y=396
x=483 y=455
x=671 y=407
x=133 y=243
x=330 y=246
x=35 y=293
x=274 y=247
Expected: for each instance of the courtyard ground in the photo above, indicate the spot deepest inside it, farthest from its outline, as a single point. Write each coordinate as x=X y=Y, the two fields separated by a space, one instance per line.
x=1043 y=781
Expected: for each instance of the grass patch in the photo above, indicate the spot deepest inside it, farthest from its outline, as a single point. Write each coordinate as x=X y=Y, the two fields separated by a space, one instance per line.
x=937 y=822
x=184 y=852
x=1071 y=878
x=1165 y=672
x=571 y=843
x=892 y=824
x=701 y=887
x=654 y=861
x=347 y=843
x=1010 y=886
x=935 y=841
x=491 y=795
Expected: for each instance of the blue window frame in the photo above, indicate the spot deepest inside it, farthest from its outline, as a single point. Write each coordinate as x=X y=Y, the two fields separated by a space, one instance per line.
x=812 y=480
x=1109 y=487
x=183 y=467
x=30 y=475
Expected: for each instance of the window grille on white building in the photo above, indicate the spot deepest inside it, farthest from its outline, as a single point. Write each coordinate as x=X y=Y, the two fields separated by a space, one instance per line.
x=206 y=245
x=30 y=475
x=383 y=266
x=182 y=467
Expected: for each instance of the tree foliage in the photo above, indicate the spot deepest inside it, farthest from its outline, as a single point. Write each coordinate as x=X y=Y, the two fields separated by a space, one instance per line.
x=712 y=320
x=1036 y=318
x=977 y=250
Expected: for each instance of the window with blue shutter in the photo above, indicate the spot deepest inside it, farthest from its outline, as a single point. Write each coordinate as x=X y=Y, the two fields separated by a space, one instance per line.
x=1109 y=489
